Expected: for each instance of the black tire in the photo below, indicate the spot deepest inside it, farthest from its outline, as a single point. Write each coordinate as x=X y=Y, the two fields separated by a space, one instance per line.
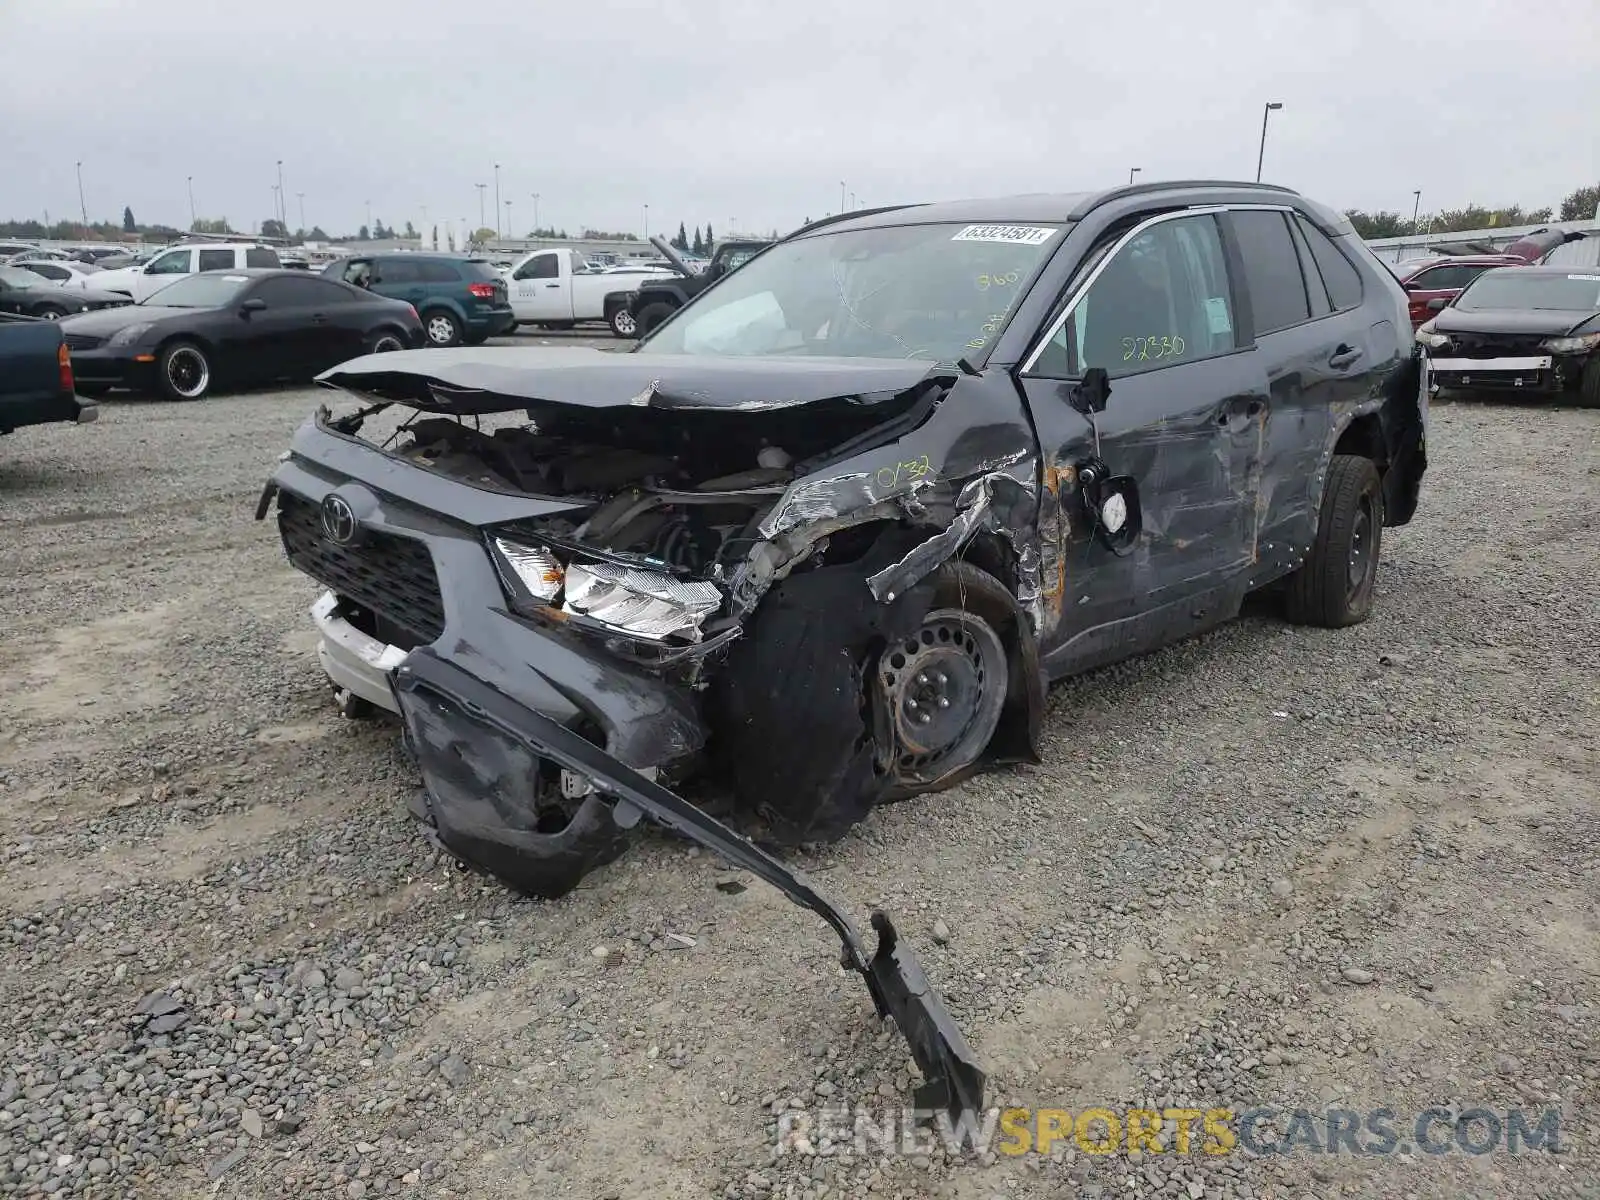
x=474 y=339
x=92 y=389
x=561 y=326
x=1334 y=586
x=50 y=312
x=1589 y=385
x=385 y=341
x=622 y=323
x=944 y=690
x=652 y=315
x=183 y=372
x=441 y=328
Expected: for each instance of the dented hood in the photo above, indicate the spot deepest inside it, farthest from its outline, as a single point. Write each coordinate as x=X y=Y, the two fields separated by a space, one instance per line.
x=480 y=380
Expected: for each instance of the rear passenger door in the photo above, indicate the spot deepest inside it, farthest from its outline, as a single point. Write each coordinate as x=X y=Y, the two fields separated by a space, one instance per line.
x=398 y=279
x=1318 y=356
x=215 y=260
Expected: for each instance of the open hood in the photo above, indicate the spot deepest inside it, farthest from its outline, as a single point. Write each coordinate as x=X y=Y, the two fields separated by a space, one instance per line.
x=472 y=382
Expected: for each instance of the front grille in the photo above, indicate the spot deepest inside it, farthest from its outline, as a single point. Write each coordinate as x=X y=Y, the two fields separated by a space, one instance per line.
x=82 y=341
x=1495 y=345
x=392 y=577
x=97 y=305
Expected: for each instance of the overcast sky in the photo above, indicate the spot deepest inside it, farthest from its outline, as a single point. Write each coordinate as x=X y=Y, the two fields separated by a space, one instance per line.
x=724 y=111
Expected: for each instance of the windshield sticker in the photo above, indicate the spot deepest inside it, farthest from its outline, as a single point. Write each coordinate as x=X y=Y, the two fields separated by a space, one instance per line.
x=1586 y=278
x=1217 y=318
x=1015 y=235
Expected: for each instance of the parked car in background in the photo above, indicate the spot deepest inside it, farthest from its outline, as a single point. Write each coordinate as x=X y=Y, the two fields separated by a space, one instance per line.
x=39 y=255
x=461 y=299
x=99 y=254
x=142 y=282
x=657 y=298
x=36 y=381
x=1522 y=329
x=31 y=295
x=63 y=274
x=10 y=250
x=556 y=289
x=228 y=328
x=1431 y=283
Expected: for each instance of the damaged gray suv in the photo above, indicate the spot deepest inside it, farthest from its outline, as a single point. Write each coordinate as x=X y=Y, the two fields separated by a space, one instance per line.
x=825 y=537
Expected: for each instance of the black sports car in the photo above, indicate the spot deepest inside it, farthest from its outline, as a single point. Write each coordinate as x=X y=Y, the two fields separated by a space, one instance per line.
x=1529 y=329
x=235 y=327
x=21 y=291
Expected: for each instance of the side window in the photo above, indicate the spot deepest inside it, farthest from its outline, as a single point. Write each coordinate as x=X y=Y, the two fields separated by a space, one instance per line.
x=1271 y=270
x=286 y=293
x=1339 y=274
x=1316 y=292
x=259 y=256
x=1449 y=276
x=216 y=260
x=541 y=266
x=438 y=272
x=173 y=262
x=1161 y=300
x=394 y=271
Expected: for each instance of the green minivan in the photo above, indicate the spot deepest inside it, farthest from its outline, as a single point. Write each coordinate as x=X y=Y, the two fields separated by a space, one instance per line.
x=461 y=300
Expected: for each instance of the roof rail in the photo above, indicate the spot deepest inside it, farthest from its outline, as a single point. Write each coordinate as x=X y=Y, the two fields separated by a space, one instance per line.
x=820 y=222
x=252 y=239
x=1165 y=185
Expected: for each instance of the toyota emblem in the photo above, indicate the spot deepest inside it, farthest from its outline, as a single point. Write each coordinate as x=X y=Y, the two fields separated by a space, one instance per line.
x=338 y=521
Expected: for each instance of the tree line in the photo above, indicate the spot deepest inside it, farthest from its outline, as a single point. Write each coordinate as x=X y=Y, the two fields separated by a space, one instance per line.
x=1579 y=205
x=702 y=243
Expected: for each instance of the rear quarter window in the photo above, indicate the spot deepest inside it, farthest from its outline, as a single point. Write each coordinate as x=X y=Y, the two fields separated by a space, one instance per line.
x=478 y=270
x=217 y=260
x=261 y=257
x=1340 y=276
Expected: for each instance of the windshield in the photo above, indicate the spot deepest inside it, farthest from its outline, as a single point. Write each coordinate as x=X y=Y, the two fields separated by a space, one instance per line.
x=938 y=292
x=211 y=290
x=1514 y=287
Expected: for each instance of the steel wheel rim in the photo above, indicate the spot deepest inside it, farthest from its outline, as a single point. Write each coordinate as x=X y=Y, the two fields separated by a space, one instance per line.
x=626 y=324
x=441 y=330
x=944 y=688
x=1359 y=566
x=52 y=314
x=187 y=372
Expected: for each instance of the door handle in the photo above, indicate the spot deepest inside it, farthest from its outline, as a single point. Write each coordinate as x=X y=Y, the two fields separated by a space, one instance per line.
x=1343 y=356
x=319 y=318
x=556 y=285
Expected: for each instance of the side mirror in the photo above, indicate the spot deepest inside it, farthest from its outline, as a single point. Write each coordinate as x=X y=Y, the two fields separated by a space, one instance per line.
x=254 y=305
x=1090 y=396
x=1436 y=304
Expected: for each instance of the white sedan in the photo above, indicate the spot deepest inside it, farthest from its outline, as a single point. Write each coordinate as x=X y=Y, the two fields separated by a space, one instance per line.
x=62 y=274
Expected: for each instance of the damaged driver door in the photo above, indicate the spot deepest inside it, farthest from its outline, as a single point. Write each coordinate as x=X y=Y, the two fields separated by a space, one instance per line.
x=1148 y=338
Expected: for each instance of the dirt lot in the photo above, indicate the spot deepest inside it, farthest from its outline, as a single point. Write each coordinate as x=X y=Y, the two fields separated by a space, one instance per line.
x=1275 y=866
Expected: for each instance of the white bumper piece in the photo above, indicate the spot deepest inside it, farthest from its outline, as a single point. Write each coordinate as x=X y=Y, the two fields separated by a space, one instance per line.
x=354 y=661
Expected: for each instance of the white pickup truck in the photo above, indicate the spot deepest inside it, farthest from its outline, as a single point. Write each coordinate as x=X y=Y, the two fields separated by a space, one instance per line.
x=556 y=289
x=143 y=282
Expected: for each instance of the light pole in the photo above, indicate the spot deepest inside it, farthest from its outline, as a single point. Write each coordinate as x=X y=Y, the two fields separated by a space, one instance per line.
x=535 y=211
x=193 y=220
x=841 y=195
x=301 y=196
x=647 y=222
x=283 y=199
x=275 y=199
x=1265 y=113
x=510 y=228
x=1132 y=171
x=497 y=199
x=1416 y=207
x=481 y=218
x=369 y=218
x=83 y=208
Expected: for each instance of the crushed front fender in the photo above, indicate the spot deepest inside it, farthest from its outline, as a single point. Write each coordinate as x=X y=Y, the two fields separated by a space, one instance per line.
x=953 y=1081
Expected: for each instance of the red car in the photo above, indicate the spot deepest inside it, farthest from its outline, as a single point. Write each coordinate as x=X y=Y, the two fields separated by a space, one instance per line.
x=1431 y=283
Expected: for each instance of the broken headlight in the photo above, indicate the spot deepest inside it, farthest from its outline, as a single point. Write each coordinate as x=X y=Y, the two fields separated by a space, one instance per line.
x=1430 y=339
x=1572 y=345
x=645 y=604
x=535 y=567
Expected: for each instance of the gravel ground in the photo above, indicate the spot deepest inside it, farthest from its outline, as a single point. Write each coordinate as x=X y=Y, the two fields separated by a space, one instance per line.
x=1273 y=865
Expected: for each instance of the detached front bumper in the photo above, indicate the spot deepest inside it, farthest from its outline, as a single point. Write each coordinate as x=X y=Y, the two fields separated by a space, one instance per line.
x=480 y=749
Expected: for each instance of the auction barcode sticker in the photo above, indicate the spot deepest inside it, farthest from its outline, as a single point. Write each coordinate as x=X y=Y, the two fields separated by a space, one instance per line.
x=1016 y=235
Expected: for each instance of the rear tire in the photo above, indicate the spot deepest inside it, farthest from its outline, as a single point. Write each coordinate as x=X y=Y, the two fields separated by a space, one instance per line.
x=1589 y=385
x=50 y=312
x=385 y=341
x=652 y=315
x=442 y=328
x=623 y=325
x=183 y=372
x=1334 y=586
